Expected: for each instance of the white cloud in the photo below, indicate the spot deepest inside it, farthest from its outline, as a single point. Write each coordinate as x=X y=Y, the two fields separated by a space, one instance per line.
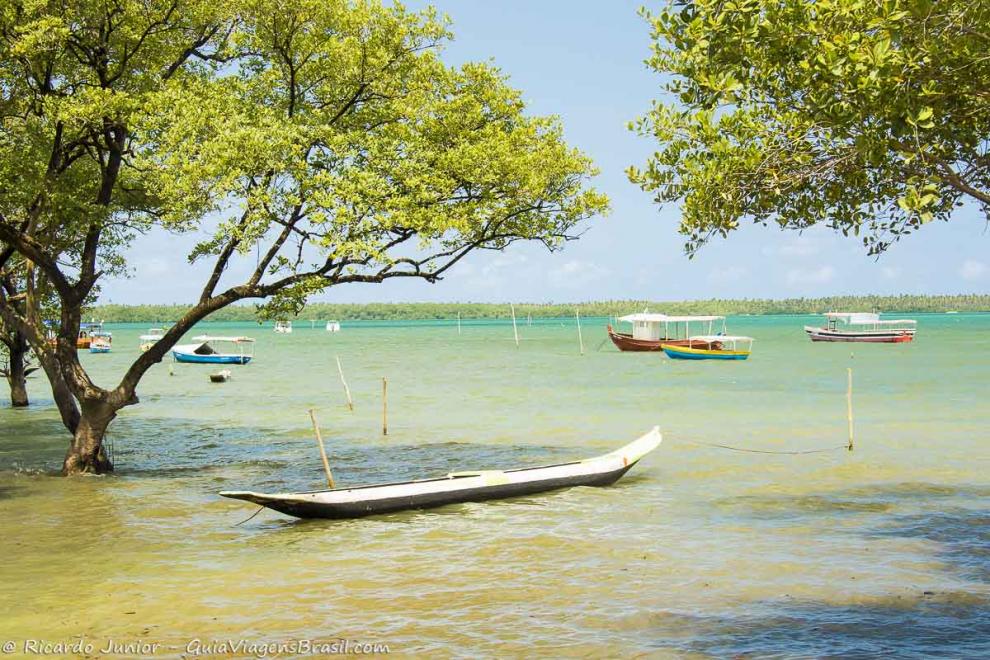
x=972 y=269
x=821 y=275
x=800 y=246
x=727 y=275
x=890 y=273
x=153 y=267
x=575 y=273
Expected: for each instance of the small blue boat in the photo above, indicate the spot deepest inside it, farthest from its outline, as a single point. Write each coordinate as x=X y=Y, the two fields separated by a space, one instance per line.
x=718 y=350
x=204 y=352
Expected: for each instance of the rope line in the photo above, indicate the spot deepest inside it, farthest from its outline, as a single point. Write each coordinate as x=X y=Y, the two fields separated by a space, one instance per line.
x=765 y=451
x=260 y=508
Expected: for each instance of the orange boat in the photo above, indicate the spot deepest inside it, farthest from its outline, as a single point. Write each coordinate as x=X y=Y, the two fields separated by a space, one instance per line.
x=87 y=331
x=650 y=331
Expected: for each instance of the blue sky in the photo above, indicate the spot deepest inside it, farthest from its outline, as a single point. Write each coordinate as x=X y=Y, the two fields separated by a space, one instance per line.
x=584 y=62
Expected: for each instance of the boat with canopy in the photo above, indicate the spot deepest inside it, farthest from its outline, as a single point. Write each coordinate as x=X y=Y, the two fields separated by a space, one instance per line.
x=650 y=331
x=87 y=331
x=240 y=350
x=863 y=327
x=283 y=327
x=722 y=347
x=150 y=338
x=471 y=486
x=333 y=326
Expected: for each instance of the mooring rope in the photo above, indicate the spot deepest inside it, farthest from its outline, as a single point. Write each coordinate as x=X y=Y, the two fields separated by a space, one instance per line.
x=766 y=451
x=251 y=516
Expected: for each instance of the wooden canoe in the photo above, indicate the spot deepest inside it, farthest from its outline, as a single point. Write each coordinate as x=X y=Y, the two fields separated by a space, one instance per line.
x=474 y=486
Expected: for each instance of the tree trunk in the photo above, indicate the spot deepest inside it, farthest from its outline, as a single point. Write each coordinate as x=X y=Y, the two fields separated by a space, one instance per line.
x=16 y=374
x=64 y=399
x=86 y=453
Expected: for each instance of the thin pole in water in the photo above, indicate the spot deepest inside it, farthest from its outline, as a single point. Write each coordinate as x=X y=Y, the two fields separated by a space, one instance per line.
x=323 y=452
x=515 y=332
x=849 y=407
x=577 y=315
x=384 y=406
x=458 y=323
x=347 y=390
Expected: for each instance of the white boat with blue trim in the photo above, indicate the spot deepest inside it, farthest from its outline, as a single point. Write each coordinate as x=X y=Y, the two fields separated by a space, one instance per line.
x=207 y=350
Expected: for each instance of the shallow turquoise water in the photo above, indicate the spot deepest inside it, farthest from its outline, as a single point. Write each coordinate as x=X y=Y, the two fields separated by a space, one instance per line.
x=697 y=550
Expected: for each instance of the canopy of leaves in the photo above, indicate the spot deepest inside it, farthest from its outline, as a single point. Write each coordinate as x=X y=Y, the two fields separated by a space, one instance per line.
x=867 y=116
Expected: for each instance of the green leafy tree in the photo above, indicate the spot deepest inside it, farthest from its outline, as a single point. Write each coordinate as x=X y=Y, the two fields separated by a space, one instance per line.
x=866 y=116
x=322 y=142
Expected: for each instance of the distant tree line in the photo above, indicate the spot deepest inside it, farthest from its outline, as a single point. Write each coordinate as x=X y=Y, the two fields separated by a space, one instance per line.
x=425 y=311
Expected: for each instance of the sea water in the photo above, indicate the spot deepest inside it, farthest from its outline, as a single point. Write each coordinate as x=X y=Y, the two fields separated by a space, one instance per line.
x=698 y=550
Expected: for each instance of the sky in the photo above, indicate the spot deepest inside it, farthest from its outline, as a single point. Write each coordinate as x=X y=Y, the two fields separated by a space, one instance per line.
x=583 y=60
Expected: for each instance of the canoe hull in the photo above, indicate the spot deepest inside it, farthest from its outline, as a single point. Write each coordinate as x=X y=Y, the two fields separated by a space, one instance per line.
x=690 y=353
x=867 y=337
x=210 y=359
x=360 y=509
x=454 y=488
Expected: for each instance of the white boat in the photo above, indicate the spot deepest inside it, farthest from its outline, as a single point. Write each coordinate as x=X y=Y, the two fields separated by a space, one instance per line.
x=863 y=327
x=284 y=327
x=151 y=337
x=471 y=486
x=333 y=326
x=204 y=351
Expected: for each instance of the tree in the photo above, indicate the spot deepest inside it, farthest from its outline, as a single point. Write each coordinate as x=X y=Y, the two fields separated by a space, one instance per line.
x=322 y=141
x=867 y=116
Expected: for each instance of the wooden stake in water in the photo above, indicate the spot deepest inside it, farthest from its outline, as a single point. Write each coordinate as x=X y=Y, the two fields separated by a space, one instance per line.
x=458 y=323
x=849 y=407
x=323 y=452
x=347 y=390
x=577 y=315
x=384 y=406
x=515 y=332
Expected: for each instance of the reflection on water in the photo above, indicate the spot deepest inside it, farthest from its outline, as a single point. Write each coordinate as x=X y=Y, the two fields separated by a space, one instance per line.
x=696 y=551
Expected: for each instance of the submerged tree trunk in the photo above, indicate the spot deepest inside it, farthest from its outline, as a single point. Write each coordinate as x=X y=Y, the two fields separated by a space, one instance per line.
x=86 y=454
x=17 y=371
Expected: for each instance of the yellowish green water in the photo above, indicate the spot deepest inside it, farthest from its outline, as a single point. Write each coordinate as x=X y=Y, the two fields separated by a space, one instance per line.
x=697 y=551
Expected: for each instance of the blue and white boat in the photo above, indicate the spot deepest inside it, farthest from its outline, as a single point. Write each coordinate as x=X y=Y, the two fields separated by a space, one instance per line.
x=240 y=350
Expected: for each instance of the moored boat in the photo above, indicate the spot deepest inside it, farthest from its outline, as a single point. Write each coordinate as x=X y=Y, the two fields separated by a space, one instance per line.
x=99 y=343
x=283 y=327
x=87 y=331
x=722 y=347
x=150 y=338
x=650 y=331
x=472 y=486
x=221 y=376
x=863 y=327
x=206 y=352
x=333 y=326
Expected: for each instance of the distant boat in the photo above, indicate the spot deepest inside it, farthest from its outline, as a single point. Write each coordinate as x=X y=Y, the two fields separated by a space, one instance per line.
x=204 y=352
x=472 y=486
x=284 y=327
x=650 y=331
x=99 y=343
x=333 y=326
x=151 y=338
x=221 y=376
x=863 y=327
x=952 y=311
x=721 y=347
x=89 y=330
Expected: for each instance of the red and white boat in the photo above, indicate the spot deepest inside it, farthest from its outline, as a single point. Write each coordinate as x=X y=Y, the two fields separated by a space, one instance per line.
x=863 y=327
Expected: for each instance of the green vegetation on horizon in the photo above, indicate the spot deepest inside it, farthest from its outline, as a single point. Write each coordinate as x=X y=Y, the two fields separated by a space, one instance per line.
x=412 y=311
